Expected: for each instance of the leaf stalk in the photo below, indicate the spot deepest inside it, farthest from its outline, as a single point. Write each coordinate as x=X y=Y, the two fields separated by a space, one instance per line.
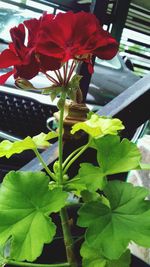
x=29 y=264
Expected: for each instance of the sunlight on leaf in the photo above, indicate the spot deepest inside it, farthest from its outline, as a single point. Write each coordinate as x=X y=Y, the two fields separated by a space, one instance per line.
x=127 y=219
x=8 y=148
x=26 y=203
x=41 y=140
x=98 y=126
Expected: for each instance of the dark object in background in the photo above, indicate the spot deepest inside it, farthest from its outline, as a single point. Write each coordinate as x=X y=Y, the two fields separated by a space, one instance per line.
x=128 y=63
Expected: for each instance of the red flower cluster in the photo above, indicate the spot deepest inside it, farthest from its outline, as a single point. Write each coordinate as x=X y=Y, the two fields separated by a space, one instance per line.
x=53 y=40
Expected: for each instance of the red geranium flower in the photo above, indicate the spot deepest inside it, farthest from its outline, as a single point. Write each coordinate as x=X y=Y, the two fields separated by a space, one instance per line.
x=75 y=36
x=19 y=56
x=26 y=63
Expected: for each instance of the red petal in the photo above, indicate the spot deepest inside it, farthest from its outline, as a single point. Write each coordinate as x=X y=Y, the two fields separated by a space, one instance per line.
x=27 y=71
x=8 y=58
x=49 y=63
x=4 y=77
x=18 y=35
x=107 y=52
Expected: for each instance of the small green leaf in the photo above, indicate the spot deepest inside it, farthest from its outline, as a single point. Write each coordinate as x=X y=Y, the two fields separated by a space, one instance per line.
x=114 y=156
x=26 y=203
x=92 y=258
x=41 y=140
x=8 y=148
x=90 y=177
x=75 y=82
x=71 y=93
x=98 y=126
x=53 y=91
x=112 y=228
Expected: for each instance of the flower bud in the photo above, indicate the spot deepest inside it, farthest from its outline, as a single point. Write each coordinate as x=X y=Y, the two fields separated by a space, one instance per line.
x=24 y=84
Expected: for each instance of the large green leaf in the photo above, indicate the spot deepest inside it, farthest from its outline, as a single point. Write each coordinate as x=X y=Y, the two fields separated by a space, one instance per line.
x=114 y=156
x=92 y=258
x=89 y=178
x=98 y=126
x=25 y=204
x=110 y=229
x=8 y=148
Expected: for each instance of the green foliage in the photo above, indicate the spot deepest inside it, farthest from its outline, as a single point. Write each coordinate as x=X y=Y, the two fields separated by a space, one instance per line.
x=114 y=156
x=97 y=126
x=73 y=86
x=8 y=148
x=53 y=91
x=26 y=203
x=114 y=213
x=89 y=178
x=110 y=229
x=92 y=258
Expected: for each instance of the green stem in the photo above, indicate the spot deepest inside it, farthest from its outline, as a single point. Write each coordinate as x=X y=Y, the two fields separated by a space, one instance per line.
x=51 y=174
x=71 y=155
x=28 y=264
x=60 y=139
x=68 y=240
x=76 y=156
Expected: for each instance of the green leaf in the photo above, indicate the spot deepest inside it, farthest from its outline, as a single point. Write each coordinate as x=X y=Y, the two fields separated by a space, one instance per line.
x=26 y=203
x=92 y=258
x=98 y=126
x=123 y=261
x=41 y=140
x=114 y=156
x=8 y=148
x=75 y=82
x=88 y=196
x=110 y=229
x=90 y=177
x=73 y=86
x=53 y=91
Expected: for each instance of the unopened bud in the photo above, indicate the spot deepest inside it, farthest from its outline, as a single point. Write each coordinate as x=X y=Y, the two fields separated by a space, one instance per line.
x=24 y=84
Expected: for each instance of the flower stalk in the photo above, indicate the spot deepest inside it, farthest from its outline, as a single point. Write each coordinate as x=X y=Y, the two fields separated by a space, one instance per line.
x=71 y=160
x=68 y=240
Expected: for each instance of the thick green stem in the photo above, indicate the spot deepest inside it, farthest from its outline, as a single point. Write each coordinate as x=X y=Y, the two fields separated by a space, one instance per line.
x=69 y=243
x=44 y=164
x=76 y=156
x=29 y=264
x=68 y=240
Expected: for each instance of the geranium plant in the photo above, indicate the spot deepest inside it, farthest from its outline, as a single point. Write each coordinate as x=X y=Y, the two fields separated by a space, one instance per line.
x=112 y=213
